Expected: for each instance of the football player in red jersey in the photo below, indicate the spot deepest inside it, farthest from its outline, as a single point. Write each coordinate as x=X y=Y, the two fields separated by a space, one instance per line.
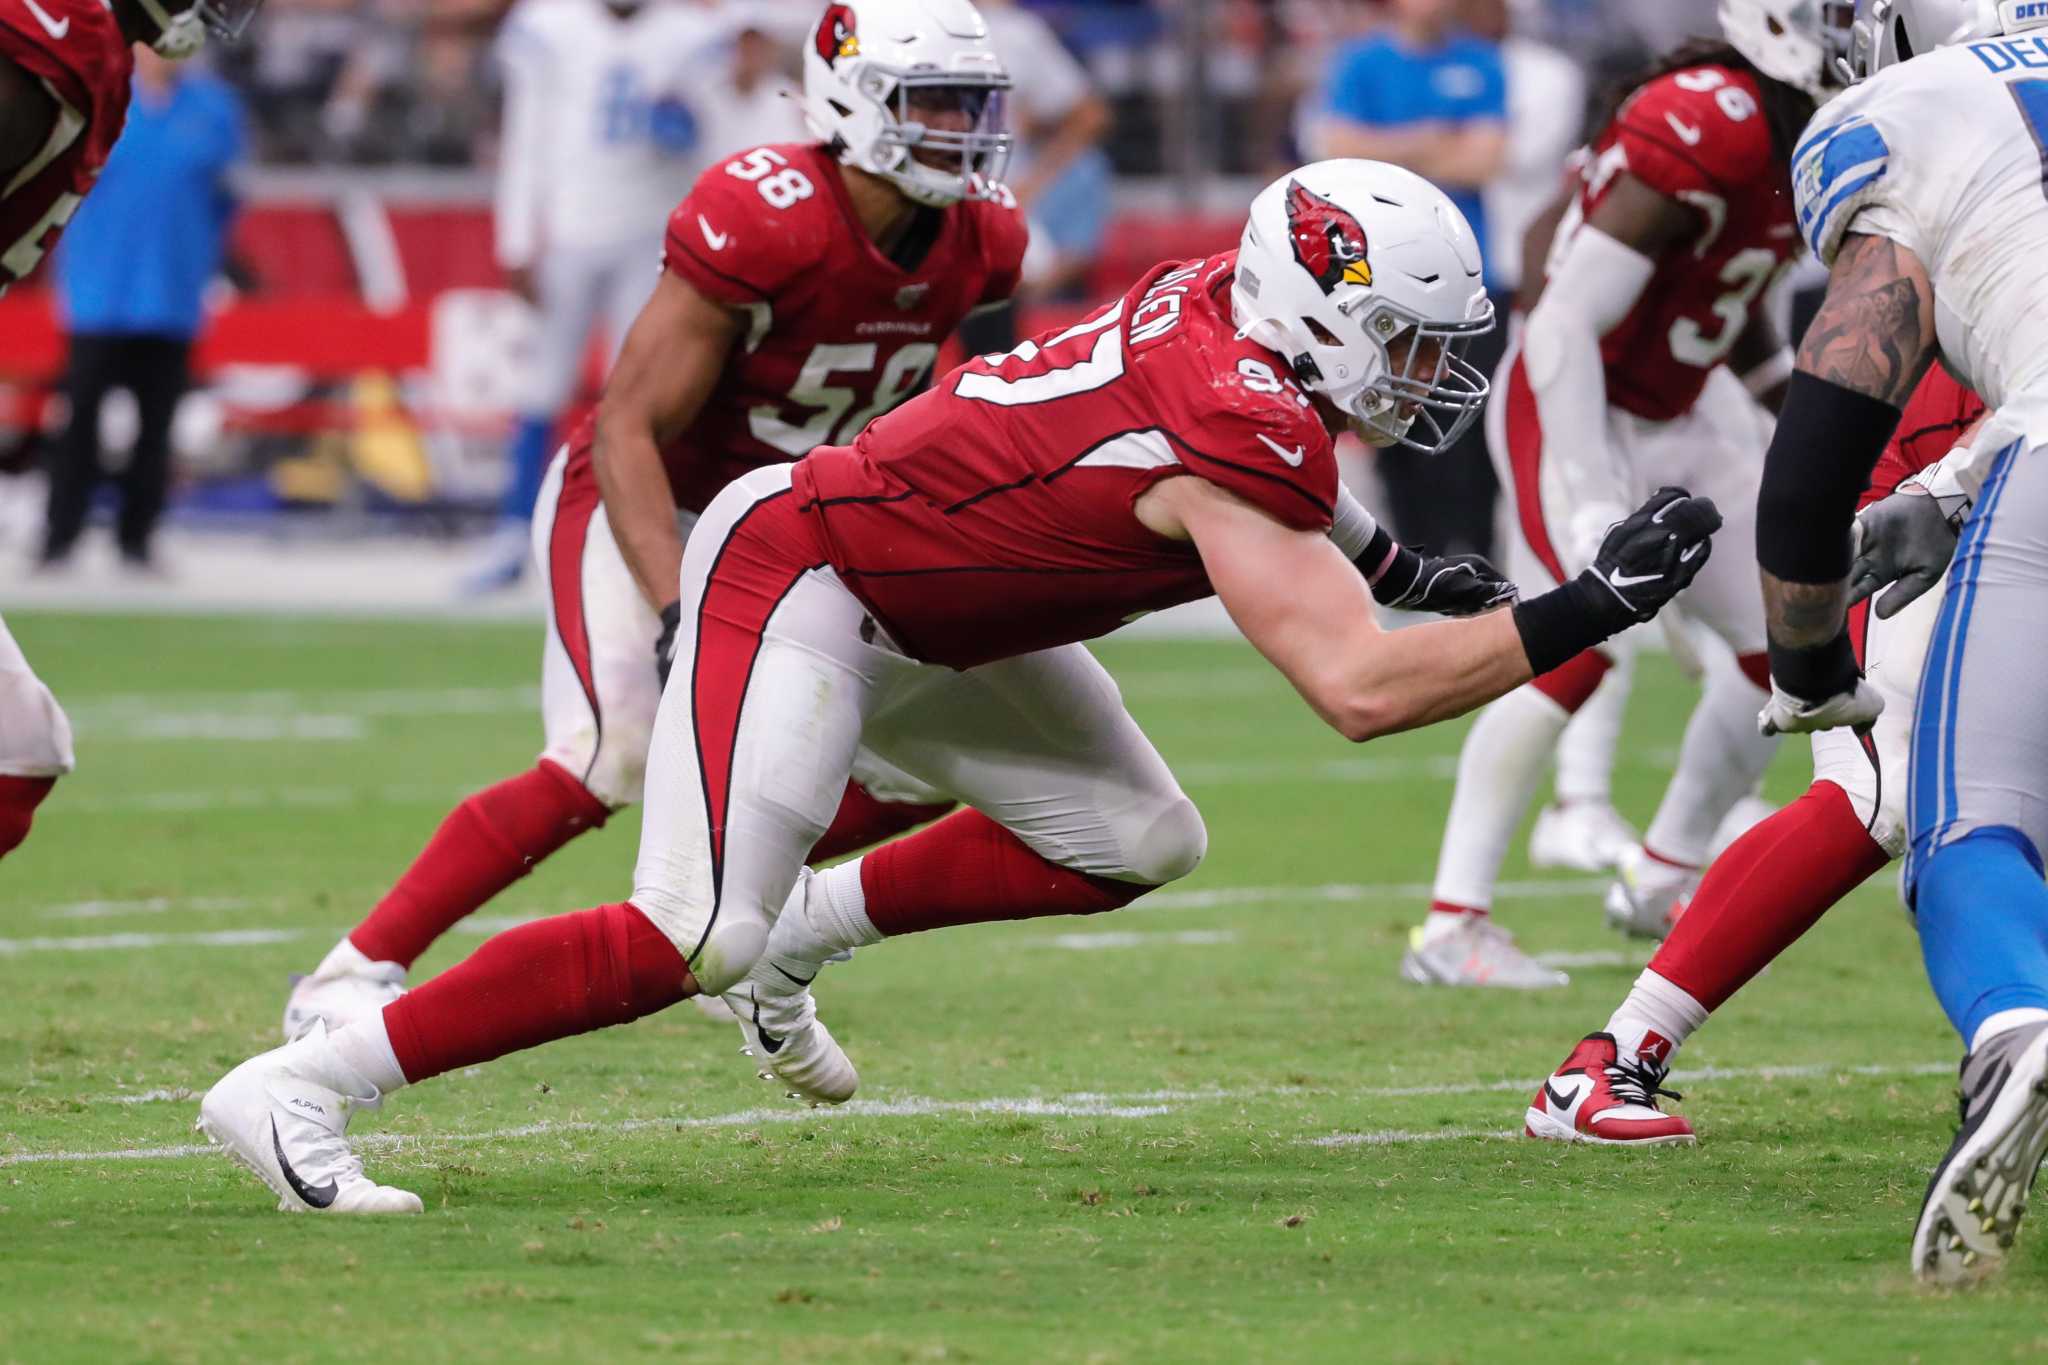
x=1630 y=373
x=1775 y=882
x=924 y=592
x=804 y=289
x=65 y=70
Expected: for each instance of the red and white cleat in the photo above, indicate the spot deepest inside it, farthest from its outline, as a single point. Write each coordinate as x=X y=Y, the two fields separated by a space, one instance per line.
x=1598 y=1097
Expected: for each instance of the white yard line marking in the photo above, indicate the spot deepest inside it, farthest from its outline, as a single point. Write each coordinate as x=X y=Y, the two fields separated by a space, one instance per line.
x=156 y=905
x=226 y=727
x=1609 y=958
x=445 y=701
x=1206 y=898
x=100 y=943
x=1392 y=1137
x=1083 y=1104
x=259 y=798
x=1089 y=943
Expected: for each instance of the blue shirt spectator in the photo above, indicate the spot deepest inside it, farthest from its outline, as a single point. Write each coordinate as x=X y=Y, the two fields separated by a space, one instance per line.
x=138 y=256
x=1426 y=96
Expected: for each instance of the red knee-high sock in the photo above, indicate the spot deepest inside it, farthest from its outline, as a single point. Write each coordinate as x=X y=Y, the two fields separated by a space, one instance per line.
x=19 y=797
x=488 y=842
x=967 y=869
x=550 y=979
x=1769 y=887
x=864 y=819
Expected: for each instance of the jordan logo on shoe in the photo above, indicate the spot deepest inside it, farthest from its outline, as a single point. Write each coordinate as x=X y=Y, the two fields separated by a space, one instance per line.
x=319 y=1196
x=1656 y=1047
x=769 y=1043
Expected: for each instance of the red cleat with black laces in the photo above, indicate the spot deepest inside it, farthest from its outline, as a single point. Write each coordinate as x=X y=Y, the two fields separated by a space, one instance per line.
x=1598 y=1097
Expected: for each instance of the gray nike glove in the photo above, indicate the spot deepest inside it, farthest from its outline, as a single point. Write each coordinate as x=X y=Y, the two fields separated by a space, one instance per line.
x=1905 y=540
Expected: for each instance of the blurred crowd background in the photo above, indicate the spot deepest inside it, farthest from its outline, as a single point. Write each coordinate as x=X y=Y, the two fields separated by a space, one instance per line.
x=323 y=333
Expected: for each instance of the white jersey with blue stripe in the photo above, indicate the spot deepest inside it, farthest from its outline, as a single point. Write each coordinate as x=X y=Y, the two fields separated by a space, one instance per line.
x=1947 y=154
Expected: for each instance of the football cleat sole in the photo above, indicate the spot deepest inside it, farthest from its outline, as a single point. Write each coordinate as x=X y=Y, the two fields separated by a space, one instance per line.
x=1547 y=1127
x=1979 y=1192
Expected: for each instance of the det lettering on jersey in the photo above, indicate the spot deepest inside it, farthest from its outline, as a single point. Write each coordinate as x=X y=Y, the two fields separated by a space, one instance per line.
x=2009 y=54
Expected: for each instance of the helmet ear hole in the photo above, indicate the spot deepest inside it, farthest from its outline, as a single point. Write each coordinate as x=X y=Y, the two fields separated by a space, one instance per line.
x=1321 y=333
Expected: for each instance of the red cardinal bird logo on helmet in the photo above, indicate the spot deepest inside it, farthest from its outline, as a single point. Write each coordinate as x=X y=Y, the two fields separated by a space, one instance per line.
x=836 y=36
x=1328 y=242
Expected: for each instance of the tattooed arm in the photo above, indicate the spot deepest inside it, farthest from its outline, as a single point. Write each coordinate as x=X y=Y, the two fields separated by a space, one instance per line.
x=1873 y=337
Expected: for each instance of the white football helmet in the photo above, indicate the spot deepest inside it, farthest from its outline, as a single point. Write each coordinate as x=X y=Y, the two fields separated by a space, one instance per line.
x=874 y=68
x=1883 y=33
x=1788 y=40
x=1343 y=260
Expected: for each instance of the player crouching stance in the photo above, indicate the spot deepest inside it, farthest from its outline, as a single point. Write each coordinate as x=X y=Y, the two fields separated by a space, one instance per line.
x=924 y=593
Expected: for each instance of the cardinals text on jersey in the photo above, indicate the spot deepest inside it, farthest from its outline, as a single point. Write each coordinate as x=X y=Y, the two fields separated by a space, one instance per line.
x=992 y=516
x=75 y=51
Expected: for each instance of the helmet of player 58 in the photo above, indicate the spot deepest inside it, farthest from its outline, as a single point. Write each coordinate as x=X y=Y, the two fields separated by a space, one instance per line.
x=1793 y=41
x=1366 y=278
x=910 y=90
x=181 y=30
x=1883 y=33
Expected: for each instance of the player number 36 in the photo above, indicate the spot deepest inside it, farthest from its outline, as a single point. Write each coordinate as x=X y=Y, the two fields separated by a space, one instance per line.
x=769 y=171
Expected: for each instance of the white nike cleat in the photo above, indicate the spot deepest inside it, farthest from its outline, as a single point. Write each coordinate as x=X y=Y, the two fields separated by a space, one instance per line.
x=788 y=1042
x=345 y=987
x=1586 y=836
x=1979 y=1191
x=1648 y=894
x=1476 y=953
x=280 y=1116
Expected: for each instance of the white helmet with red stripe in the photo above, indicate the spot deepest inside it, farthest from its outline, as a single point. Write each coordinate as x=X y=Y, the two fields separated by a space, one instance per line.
x=1367 y=279
x=910 y=90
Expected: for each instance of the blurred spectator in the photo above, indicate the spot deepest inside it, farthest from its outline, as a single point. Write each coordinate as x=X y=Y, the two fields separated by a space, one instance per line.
x=1427 y=93
x=132 y=273
x=606 y=106
x=1546 y=118
x=1060 y=173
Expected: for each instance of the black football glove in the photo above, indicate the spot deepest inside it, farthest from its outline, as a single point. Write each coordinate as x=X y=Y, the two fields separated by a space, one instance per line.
x=1654 y=553
x=1447 y=585
x=665 y=647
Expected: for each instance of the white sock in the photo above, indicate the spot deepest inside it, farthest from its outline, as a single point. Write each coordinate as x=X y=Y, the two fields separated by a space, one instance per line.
x=2005 y=1021
x=1656 y=1019
x=363 y=1053
x=1444 y=920
x=1499 y=770
x=345 y=959
x=826 y=913
x=1585 y=752
x=1720 y=761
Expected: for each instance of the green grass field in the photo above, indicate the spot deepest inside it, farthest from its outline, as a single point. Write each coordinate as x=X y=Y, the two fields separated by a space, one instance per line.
x=1212 y=1127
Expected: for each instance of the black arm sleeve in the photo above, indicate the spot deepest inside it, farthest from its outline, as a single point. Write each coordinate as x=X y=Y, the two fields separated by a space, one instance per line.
x=1829 y=438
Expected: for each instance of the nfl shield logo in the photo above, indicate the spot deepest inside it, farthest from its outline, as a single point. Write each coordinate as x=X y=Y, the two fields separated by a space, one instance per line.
x=912 y=296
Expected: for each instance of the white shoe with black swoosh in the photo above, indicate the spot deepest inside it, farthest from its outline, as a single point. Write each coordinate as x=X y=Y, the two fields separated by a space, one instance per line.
x=790 y=1045
x=1979 y=1191
x=281 y=1116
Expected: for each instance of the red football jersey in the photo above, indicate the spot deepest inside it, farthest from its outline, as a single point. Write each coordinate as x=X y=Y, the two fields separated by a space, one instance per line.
x=75 y=50
x=993 y=515
x=838 y=332
x=1936 y=416
x=1699 y=136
